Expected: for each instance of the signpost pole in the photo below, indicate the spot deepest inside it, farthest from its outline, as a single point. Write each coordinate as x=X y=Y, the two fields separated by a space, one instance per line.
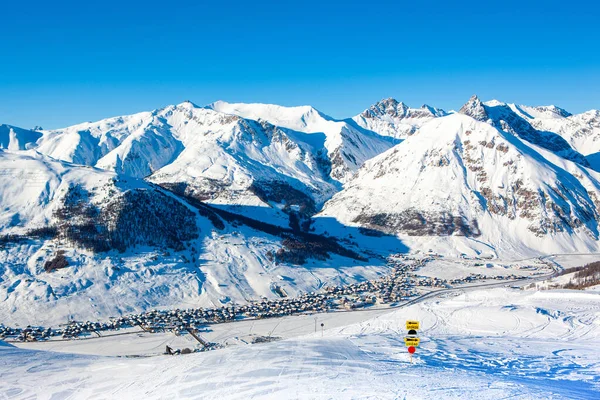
x=412 y=340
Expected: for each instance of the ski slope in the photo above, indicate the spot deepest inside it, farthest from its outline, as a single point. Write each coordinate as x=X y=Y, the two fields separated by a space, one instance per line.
x=482 y=344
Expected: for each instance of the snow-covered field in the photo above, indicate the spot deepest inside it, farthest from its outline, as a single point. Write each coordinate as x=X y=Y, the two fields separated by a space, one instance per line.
x=493 y=343
x=454 y=268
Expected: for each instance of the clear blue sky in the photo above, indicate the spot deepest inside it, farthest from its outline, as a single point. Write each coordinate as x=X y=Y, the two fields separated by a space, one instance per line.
x=68 y=62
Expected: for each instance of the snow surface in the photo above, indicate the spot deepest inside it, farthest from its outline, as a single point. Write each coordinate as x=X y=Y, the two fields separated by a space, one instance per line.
x=485 y=344
x=13 y=138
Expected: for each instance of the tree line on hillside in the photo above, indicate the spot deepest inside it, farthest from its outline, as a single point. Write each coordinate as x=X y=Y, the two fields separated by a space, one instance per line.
x=297 y=245
x=585 y=276
x=130 y=218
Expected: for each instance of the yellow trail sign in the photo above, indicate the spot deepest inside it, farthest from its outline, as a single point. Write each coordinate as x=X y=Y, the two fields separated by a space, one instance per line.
x=412 y=341
x=412 y=325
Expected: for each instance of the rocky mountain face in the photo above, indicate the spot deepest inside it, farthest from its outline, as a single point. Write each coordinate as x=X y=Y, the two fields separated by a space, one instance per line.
x=503 y=117
x=389 y=117
x=582 y=131
x=347 y=145
x=545 y=112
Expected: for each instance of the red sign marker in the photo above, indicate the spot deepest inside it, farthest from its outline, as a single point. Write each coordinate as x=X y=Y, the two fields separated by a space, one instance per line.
x=411 y=349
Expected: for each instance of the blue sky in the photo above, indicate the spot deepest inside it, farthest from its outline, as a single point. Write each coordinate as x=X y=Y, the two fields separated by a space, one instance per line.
x=66 y=62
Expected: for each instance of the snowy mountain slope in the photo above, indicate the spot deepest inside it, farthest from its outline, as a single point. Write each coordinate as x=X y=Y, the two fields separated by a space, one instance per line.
x=582 y=131
x=88 y=208
x=62 y=225
x=388 y=117
x=348 y=145
x=502 y=116
x=80 y=242
x=231 y=160
x=88 y=142
x=488 y=344
x=461 y=178
x=216 y=156
x=33 y=187
x=13 y=138
x=540 y=112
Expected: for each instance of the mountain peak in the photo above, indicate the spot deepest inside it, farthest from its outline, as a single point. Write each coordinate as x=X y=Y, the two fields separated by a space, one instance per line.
x=389 y=106
x=14 y=138
x=389 y=102
x=436 y=112
x=561 y=112
x=187 y=104
x=589 y=118
x=474 y=108
x=295 y=117
x=494 y=103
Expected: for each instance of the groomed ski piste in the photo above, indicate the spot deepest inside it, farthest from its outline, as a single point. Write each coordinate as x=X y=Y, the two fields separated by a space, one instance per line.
x=500 y=341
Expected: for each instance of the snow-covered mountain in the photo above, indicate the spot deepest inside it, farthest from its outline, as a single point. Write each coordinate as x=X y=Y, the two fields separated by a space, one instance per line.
x=259 y=158
x=86 y=207
x=462 y=178
x=504 y=117
x=81 y=242
x=134 y=145
x=13 y=138
x=581 y=131
x=388 y=117
x=348 y=145
x=281 y=164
